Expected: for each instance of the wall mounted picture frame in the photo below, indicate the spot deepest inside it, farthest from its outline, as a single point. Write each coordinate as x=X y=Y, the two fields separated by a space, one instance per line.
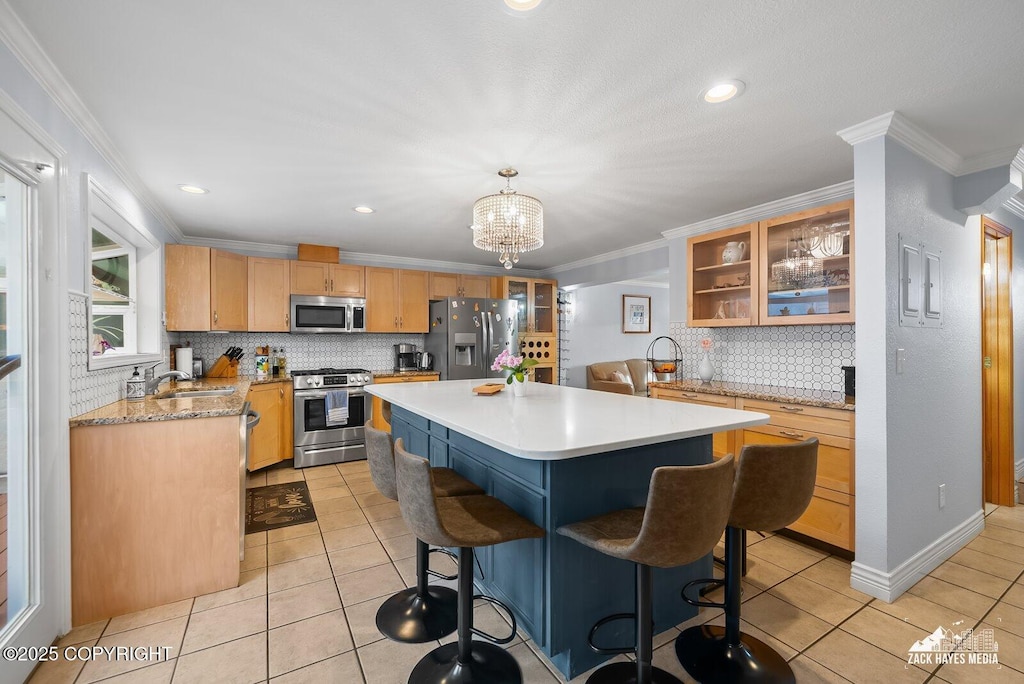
x=636 y=314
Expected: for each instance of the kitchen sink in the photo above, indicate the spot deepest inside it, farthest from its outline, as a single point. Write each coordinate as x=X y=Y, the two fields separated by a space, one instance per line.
x=188 y=394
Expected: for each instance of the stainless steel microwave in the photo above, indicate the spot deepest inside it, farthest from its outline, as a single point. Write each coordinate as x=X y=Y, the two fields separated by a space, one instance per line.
x=316 y=314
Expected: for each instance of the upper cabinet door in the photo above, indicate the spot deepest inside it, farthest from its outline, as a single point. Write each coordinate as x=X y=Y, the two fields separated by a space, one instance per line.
x=519 y=291
x=723 y=278
x=229 y=300
x=269 y=290
x=381 y=300
x=187 y=287
x=443 y=285
x=414 y=309
x=475 y=286
x=310 y=277
x=543 y=305
x=347 y=280
x=807 y=267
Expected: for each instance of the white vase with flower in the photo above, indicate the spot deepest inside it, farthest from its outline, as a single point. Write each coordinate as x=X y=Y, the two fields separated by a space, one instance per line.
x=705 y=370
x=517 y=367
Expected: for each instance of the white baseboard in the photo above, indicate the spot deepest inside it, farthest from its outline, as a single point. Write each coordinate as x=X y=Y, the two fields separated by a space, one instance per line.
x=888 y=586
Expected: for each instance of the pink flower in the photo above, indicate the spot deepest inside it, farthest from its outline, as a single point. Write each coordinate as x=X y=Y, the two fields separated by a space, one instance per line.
x=705 y=344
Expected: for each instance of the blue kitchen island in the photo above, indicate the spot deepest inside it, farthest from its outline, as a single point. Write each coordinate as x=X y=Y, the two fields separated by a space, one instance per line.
x=558 y=455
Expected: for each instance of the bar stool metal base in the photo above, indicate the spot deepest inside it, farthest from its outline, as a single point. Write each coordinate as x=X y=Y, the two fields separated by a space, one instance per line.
x=625 y=673
x=487 y=663
x=708 y=657
x=413 y=619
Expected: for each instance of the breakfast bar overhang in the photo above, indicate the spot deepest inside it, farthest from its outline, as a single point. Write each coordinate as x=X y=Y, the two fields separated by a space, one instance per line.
x=558 y=455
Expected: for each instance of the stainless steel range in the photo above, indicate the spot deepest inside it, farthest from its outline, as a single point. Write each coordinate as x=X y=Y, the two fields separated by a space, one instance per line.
x=319 y=441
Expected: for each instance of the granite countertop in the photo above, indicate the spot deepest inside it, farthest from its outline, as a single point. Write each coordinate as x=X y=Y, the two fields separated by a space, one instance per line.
x=788 y=395
x=156 y=408
x=263 y=379
x=552 y=422
x=403 y=374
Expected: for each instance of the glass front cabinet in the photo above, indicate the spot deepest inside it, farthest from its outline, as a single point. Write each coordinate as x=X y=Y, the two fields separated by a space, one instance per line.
x=789 y=270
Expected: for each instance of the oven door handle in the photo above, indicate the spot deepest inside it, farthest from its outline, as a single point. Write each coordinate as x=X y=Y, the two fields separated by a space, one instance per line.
x=322 y=395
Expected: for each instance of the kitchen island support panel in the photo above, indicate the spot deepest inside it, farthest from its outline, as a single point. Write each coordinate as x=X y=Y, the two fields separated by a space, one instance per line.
x=558 y=588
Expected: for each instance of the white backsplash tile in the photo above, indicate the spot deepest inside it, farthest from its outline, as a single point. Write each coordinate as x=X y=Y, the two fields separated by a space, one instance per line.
x=804 y=356
x=372 y=351
x=91 y=389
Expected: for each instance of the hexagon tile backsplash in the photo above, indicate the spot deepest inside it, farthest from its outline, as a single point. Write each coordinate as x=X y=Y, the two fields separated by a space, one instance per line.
x=372 y=351
x=805 y=356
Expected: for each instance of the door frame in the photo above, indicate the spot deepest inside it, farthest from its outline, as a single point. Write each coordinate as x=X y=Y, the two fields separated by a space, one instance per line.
x=999 y=480
x=38 y=160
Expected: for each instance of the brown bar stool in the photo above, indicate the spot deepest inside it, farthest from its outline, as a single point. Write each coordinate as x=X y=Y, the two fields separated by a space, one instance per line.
x=774 y=485
x=465 y=522
x=425 y=612
x=687 y=509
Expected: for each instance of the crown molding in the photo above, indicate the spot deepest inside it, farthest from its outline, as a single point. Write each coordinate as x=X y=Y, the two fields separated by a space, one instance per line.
x=982 y=162
x=16 y=36
x=1015 y=206
x=267 y=249
x=642 y=283
x=786 y=205
x=607 y=256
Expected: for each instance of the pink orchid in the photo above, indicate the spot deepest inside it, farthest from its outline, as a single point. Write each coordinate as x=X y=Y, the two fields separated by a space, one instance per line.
x=506 y=360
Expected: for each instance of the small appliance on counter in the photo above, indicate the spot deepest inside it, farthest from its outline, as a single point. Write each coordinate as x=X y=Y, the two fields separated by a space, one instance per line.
x=318 y=439
x=405 y=357
x=425 y=361
x=849 y=380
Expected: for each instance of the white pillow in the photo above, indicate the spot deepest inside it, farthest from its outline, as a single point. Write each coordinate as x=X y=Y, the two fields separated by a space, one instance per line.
x=618 y=376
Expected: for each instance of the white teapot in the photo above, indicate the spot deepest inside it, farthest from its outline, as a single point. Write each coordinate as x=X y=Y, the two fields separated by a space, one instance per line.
x=733 y=252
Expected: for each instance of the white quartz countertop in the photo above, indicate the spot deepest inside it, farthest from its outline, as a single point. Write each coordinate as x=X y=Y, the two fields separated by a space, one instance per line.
x=552 y=422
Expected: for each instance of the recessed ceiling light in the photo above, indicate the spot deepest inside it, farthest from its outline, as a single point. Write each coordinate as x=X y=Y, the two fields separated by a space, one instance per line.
x=193 y=189
x=522 y=5
x=722 y=91
x=363 y=210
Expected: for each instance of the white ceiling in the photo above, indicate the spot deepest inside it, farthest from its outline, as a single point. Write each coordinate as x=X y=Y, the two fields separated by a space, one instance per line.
x=292 y=113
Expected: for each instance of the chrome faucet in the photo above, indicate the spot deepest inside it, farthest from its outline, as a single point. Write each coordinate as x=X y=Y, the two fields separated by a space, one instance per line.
x=153 y=381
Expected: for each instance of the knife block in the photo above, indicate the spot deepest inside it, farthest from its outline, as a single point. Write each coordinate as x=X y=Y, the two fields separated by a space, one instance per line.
x=223 y=368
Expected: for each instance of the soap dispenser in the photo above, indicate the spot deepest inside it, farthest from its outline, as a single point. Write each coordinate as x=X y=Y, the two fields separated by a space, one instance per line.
x=136 y=387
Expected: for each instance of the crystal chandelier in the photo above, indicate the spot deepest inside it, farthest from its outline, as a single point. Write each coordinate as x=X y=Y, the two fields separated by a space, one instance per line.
x=801 y=270
x=508 y=223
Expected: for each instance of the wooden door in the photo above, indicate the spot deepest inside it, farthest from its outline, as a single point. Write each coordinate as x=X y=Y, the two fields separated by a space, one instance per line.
x=265 y=442
x=476 y=286
x=310 y=277
x=269 y=294
x=997 y=364
x=414 y=301
x=444 y=285
x=187 y=287
x=347 y=280
x=229 y=286
x=381 y=300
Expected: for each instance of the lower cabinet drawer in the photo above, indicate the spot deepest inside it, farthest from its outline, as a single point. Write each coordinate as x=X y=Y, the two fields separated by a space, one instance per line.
x=835 y=454
x=829 y=517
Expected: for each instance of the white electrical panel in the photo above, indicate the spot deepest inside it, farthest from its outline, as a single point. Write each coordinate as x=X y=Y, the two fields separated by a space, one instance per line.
x=920 y=285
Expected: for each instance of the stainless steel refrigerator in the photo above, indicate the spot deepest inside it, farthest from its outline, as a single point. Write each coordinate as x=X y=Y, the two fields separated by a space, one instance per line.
x=466 y=334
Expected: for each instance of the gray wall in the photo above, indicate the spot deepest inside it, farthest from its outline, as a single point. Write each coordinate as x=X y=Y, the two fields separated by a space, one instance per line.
x=627 y=267
x=921 y=428
x=594 y=333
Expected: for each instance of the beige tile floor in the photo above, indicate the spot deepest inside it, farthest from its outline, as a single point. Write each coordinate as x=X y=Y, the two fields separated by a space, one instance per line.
x=305 y=609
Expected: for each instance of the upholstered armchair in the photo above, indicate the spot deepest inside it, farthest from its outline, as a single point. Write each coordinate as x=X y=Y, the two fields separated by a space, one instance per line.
x=623 y=377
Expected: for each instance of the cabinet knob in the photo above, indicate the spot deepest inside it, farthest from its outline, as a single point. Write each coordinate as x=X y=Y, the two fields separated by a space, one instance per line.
x=798 y=435
x=689 y=396
x=396 y=321
x=287 y=319
x=401 y=322
x=214 y=316
x=332 y=284
x=325 y=285
x=282 y=392
x=791 y=409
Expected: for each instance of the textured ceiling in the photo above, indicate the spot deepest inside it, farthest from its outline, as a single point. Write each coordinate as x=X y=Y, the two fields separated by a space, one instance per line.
x=292 y=113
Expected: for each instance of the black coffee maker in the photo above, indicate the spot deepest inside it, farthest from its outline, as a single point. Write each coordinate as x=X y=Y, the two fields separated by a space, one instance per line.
x=849 y=380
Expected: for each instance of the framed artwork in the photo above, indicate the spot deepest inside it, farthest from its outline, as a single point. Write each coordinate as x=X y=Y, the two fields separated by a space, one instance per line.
x=636 y=314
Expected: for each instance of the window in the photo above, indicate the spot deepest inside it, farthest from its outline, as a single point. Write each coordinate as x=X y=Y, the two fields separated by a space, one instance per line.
x=123 y=285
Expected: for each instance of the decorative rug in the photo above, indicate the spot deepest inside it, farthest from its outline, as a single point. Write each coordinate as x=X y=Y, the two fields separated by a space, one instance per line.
x=280 y=505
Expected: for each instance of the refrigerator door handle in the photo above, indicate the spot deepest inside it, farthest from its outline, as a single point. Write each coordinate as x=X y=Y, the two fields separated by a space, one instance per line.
x=485 y=352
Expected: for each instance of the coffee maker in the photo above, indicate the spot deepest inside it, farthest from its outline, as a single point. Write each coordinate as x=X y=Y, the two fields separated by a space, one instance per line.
x=405 y=357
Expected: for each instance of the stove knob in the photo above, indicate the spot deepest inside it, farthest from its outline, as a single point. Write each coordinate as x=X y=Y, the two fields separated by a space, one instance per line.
x=309 y=381
x=364 y=378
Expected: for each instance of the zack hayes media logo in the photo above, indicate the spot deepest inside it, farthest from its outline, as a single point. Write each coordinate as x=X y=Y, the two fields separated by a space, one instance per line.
x=946 y=647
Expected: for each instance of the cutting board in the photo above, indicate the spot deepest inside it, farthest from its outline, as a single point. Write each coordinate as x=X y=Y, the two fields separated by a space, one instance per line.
x=489 y=388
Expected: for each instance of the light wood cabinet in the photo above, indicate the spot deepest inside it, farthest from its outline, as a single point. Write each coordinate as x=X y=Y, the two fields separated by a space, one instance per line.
x=156 y=513
x=334 y=280
x=544 y=350
x=378 y=408
x=830 y=516
x=806 y=267
x=722 y=288
x=538 y=308
x=205 y=289
x=397 y=300
x=187 y=287
x=269 y=290
x=788 y=270
x=271 y=440
x=443 y=285
x=723 y=442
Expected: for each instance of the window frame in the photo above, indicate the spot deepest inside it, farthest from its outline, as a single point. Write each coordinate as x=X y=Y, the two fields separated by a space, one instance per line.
x=143 y=324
